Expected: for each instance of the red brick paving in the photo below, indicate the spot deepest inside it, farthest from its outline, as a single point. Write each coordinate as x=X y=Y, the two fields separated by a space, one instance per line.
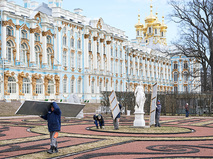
x=128 y=150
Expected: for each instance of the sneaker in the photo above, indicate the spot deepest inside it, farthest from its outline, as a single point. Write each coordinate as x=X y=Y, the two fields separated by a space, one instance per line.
x=50 y=151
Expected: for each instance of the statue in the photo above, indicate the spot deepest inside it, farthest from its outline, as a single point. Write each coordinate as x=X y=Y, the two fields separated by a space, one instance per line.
x=140 y=98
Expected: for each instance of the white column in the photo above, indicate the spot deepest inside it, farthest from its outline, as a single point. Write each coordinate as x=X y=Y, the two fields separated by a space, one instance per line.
x=152 y=63
x=17 y=44
x=164 y=71
x=59 y=46
x=123 y=63
x=156 y=68
x=160 y=71
x=128 y=65
x=133 y=63
x=138 y=67
x=95 y=52
x=167 y=72
x=32 y=46
x=170 y=72
x=56 y=62
x=86 y=52
x=102 y=52
x=144 y=69
x=4 y=47
x=148 y=70
x=108 y=56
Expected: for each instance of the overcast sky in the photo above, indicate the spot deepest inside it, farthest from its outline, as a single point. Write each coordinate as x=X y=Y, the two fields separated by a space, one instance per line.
x=122 y=14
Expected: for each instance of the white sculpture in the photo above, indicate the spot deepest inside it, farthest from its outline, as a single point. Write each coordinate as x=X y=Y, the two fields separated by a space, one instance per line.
x=139 y=107
x=140 y=98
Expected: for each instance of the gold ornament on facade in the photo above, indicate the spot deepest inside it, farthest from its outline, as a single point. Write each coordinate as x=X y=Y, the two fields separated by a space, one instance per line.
x=6 y=76
x=95 y=38
x=34 y=78
x=9 y=23
x=99 y=26
x=59 y=29
x=35 y=30
x=46 y=80
x=111 y=81
x=14 y=55
x=12 y=39
x=86 y=36
x=57 y=84
x=48 y=32
x=38 y=15
x=20 y=82
x=89 y=79
x=28 y=57
x=108 y=42
x=18 y=27
x=101 y=40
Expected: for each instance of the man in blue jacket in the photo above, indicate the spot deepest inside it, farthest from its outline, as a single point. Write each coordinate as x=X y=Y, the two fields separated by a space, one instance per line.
x=157 y=114
x=53 y=118
x=98 y=118
x=117 y=119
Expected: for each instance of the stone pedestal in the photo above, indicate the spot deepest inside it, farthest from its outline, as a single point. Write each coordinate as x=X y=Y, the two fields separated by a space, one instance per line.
x=139 y=119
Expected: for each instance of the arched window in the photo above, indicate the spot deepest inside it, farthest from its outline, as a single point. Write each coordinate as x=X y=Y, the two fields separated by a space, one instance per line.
x=175 y=66
x=37 y=37
x=24 y=34
x=79 y=61
x=175 y=76
x=49 y=56
x=79 y=44
x=23 y=53
x=65 y=85
x=37 y=52
x=90 y=62
x=48 y=40
x=72 y=86
x=100 y=86
x=64 y=58
x=11 y=85
x=26 y=86
x=50 y=87
x=39 y=86
x=64 y=41
x=185 y=65
x=72 y=42
x=106 y=86
x=71 y=32
x=9 y=50
x=79 y=86
x=185 y=76
x=9 y=31
x=72 y=60
x=92 y=87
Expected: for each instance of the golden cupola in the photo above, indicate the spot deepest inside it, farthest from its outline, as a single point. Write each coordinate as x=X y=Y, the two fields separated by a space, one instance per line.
x=139 y=25
x=151 y=18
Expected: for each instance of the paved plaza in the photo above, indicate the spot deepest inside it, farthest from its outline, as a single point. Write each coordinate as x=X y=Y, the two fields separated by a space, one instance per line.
x=27 y=137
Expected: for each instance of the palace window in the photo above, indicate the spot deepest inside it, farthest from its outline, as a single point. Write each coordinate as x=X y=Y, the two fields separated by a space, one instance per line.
x=9 y=31
x=72 y=86
x=120 y=53
x=64 y=30
x=185 y=65
x=116 y=86
x=24 y=34
x=121 y=68
x=92 y=87
x=64 y=41
x=71 y=32
x=79 y=61
x=79 y=86
x=116 y=53
x=64 y=58
x=23 y=53
x=111 y=51
x=100 y=86
x=39 y=86
x=48 y=40
x=185 y=76
x=79 y=44
x=37 y=52
x=65 y=85
x=175 y=89
x=11 y=85
x=97 y=47
x=49 y=57
x=104 y=51
x=90 y=46
x=185 y=88
x=112 y=66
x=175 y=66
x=175 y=76
x=50 y=87
x=9 y=50
x=138 y=33
x=26 y=86
x=72 y=60
x=150 y=30
x=156 y=31
x=72 y=42
x=37 y=37
x=161 y=33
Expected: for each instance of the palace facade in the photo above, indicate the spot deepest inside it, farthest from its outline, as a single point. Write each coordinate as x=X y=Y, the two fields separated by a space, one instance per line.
x=49 y=53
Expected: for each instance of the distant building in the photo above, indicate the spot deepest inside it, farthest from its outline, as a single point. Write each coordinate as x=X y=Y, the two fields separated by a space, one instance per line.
x=49 y=53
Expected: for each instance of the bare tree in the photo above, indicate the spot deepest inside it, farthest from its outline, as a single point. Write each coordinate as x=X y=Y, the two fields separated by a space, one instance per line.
x=195 y=18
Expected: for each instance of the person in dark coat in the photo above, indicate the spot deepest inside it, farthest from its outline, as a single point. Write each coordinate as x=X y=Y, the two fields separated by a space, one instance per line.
x=157 y=114
x=187 y=109
x=117 y=119
x=98 y=119
x=53 y=118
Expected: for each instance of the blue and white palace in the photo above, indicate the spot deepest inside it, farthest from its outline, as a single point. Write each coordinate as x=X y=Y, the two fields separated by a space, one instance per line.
x=50 y=53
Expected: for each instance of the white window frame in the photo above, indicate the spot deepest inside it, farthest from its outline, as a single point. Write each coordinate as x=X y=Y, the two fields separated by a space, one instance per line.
x=26 y=86
x=50 y=87
x=39 y=86
x=11 y=85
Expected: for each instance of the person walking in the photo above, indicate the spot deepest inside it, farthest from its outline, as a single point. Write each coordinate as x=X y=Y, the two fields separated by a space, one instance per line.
x=53 y=118
x=117 y=119
x=187 y=109
x=157 y=114
x=98 y=119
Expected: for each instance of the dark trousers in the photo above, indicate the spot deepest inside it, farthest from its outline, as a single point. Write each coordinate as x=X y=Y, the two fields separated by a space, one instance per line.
x=187 y=113
x=157 y=119
x=100 y=123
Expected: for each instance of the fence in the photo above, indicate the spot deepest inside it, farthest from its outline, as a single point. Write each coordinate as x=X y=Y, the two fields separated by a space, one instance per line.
x=172 y=103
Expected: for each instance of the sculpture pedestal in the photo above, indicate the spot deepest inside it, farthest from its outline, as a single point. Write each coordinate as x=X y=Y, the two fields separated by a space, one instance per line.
x=139 y=119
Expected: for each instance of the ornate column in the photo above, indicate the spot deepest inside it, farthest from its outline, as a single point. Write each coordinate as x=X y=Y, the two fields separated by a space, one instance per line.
x=102 y=52
x=108 y=56
x=128 y=63
x=56 y=62
x=18 y=42
x=32 y=46
x=4 y=41
x=133 y=63
x=44 y=42
x=6 y=76
x=167 y=72
x=148 y=68
x=95 y=52
x=59 y=45
x=34 y=78
x=160 y=71
x=144 y=68
x=156 y=69
x=20 y=82
x=46 y=80
x=86 y=52
x=153 y=70
x=57 y=84
x=164 y=77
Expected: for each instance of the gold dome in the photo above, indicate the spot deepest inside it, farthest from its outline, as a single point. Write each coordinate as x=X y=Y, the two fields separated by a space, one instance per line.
x=151 y=18
x=163 y=25
x=157 y=22
x=139 y=24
